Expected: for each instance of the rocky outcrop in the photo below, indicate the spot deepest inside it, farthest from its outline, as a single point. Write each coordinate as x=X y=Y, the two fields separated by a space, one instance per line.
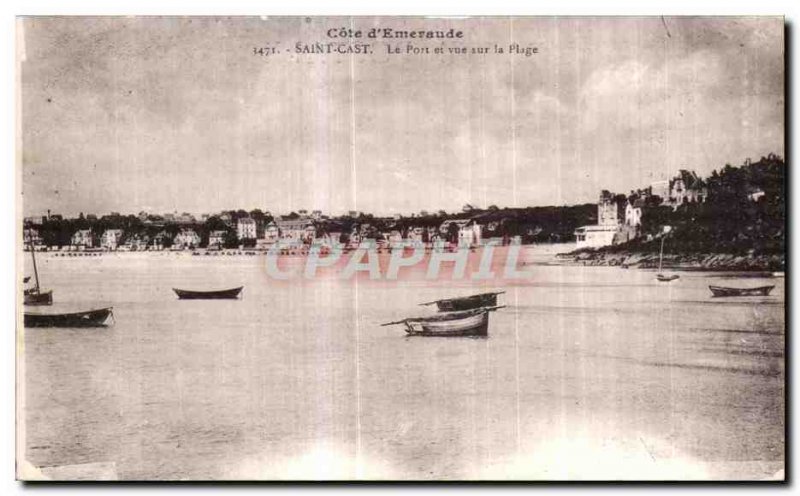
x=709 y=261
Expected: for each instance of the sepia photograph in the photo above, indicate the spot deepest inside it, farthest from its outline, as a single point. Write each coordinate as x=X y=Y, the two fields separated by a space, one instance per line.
x=256 y=248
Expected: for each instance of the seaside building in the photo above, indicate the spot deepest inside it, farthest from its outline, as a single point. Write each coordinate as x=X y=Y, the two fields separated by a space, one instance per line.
x=468 y=231
x=216 y=239
x=686 y=187
x=110 y=239
x=246 y=228
x=31 y=236
x=296 y=229
x=159 y=241
x=272 y=233
x=82 y=239
x=417 y=235
x=186 y=239
x=137 y=242
x=631 y=227
x=607 y=210
x=633 y=212
x=603 y=233
x=394 y=237
x=595 y=236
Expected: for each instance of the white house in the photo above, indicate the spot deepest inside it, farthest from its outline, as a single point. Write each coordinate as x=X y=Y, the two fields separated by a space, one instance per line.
x=83 y=239
x=469 y=231
x=633 y=213
x=271 y=233
x=297 y=229
x=686 y=187
x=246 y=228
x=31 y=236
x=595 y=236
x=137 y=242
x=216 y=239
x=110 y=239
x=187 y=238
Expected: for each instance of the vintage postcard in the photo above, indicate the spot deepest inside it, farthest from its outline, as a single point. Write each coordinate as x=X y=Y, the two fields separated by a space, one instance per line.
x=401 y=248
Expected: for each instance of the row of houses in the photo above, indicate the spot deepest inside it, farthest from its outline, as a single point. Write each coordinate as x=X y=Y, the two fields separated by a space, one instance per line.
x=468 y=232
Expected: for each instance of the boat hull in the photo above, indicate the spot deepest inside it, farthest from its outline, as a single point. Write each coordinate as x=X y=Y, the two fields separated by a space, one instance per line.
x=664 y=278
x=37 y=298
x=720 y=291
x=467 y=303
x=89 y=318
x=475 y=325
x=225 y=294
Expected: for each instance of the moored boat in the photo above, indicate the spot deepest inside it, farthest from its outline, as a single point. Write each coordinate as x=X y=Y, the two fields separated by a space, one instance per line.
x=720 y=291
x=473 y=322
x=224 y=294
x=466 y=302
x=87 y=318
x=33 y=297
x=661 y=277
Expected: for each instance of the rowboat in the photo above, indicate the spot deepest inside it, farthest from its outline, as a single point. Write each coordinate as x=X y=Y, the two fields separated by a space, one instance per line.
x=88 y=318
x=474 y=322
x=722 y=291
x=224 y=294
x=663 y=278
x=466 y=302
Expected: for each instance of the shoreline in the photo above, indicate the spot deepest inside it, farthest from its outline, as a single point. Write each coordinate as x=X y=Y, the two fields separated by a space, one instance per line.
x=723 y=262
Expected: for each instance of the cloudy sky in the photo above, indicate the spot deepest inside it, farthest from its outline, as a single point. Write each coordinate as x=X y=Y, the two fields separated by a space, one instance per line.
x=163 y=114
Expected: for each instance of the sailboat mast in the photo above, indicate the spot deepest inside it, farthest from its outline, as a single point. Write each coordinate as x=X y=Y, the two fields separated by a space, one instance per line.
x=661 y=255
x=33 y=256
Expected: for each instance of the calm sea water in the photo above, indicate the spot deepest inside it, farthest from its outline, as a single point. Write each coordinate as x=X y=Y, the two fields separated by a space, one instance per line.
x=590 y=372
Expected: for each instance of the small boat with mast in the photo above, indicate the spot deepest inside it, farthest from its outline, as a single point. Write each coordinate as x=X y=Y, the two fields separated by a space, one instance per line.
x=474 y=322
x=35 y=295
x=660 y=276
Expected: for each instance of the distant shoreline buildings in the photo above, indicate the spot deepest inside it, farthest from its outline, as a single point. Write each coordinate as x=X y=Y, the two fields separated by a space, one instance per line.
x=614 y=219
x=619 y=217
